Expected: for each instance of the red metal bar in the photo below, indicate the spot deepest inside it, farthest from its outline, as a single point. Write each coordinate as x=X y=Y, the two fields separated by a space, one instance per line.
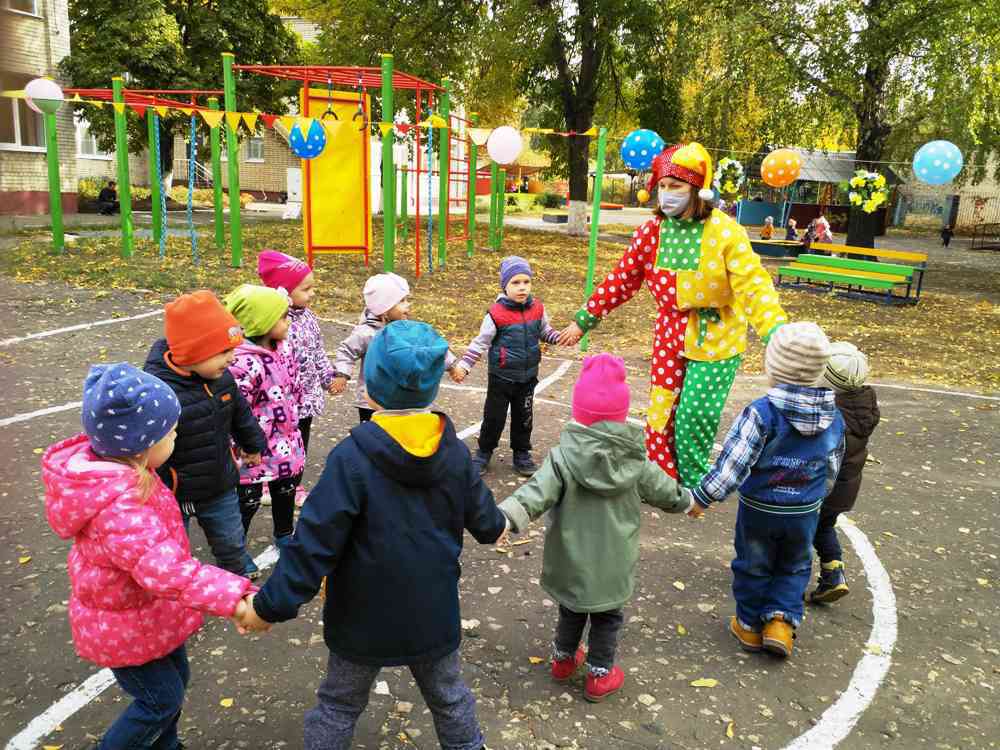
x=340 y=74
x=416 y=192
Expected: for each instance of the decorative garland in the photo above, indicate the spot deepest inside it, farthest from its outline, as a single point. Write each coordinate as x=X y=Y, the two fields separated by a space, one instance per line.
x=867 y=190
x=729 y=177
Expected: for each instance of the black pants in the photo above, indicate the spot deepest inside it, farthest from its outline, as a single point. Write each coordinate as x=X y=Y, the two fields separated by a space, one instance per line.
x=282 y=503
x=305 y=425
x=825 y=541
x=603 y=638
x=520 y=398
x=365 y=415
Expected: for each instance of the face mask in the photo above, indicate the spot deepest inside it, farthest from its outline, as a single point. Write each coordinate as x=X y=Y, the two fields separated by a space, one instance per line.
x=674 y=203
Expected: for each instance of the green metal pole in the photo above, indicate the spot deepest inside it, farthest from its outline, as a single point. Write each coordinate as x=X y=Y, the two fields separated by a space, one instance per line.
x=55 y=189
x=121 y=153
x=501 y=206
x=155 y=186
x=494 y=174
x=213 y=138
x=470 y=244
x=388 y=173
x=595 y=221
x=444 y=179
x=233 y=154
x=404 y=209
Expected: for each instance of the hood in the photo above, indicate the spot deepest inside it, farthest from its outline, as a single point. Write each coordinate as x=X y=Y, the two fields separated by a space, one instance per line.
x=393 y=460
x=70 y=471
x=249 y=347
x=859 y=409
x=369 y=318
x=156 y=364
x=809 y=410
x=506 y=301
x=604 y=457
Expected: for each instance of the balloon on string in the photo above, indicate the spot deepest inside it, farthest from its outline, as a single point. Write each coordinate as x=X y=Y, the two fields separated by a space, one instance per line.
x=937 y=162
x=781 y=167
x=504 y=144
x=640 y=147
x=43 y=96
x=307 y=145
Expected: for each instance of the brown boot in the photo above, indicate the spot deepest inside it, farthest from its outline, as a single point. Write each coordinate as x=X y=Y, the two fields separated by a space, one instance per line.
x=778 y=636
x=750 y=640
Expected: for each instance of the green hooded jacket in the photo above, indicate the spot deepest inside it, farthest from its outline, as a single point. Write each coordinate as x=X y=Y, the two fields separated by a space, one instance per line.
x=594 y=482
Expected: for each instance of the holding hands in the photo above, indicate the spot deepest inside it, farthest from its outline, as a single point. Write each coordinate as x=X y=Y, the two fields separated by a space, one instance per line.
x=570 y=335
x=251 y=459
x=457 y=373
x=337 y=385
x=246 y=619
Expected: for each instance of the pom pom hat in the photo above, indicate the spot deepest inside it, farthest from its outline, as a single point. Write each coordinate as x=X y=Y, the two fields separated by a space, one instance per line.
x=689 y=163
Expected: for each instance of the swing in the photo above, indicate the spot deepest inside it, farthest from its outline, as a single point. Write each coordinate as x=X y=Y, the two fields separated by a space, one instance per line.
x=159 y=179
x=193 y=154
x=360 y=112
x=329 y=102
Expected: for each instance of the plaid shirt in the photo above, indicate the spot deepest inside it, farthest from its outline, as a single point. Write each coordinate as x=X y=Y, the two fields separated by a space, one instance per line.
x=807 y=408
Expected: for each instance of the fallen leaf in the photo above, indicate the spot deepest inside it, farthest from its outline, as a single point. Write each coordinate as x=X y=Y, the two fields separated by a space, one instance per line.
x=681 y=630
x=24 y=560
x=535 y=659
x=729 y=730
x=226 y=703
x=704 y=682
x=951 y=659
x=874 y=648
x=983 y=581
x=679 y=585
x=37 y=450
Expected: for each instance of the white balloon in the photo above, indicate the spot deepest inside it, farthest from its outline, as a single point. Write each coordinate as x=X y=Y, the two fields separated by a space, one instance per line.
x=504 y=144
x=45 y=90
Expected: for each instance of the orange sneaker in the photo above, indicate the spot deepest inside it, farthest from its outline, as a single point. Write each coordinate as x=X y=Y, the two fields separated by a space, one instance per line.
x=750 y=640
x=597 y=689
x=564 y=669
x=778 y=636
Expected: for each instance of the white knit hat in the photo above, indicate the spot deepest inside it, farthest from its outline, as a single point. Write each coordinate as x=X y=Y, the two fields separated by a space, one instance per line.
x=384 y=291
x=847 y=368
x=797 y=354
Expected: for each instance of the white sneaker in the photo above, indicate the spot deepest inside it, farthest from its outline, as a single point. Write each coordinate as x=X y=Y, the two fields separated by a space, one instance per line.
x=265 y=499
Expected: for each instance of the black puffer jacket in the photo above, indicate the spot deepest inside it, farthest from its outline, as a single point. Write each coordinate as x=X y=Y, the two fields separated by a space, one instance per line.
x=213 y=414
x=861 y=415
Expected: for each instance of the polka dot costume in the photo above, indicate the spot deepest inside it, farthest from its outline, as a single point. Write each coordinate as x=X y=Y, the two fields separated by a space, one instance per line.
x=699 y=334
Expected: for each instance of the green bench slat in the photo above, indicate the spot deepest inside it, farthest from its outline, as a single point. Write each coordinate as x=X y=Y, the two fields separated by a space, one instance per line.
x=835 y=277
x=857 y=265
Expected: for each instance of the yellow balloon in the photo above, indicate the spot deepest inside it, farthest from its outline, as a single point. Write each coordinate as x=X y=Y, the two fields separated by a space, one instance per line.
x=781 y=167
x=642 y=196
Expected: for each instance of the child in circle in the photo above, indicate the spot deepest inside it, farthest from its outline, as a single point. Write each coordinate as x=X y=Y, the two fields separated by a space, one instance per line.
x=387 y=299
x=268 y=376
x=846 y=373
x=594 y=484
x=767 y=231
x=137 y=594
x=782 y=454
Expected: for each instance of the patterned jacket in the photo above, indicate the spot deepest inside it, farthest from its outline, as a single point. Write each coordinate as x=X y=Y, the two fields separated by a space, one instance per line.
x=269 y=381
x=315 y=371
x=137 y=594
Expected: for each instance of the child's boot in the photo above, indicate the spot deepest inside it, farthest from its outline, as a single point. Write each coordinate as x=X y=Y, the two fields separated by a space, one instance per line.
x=832 y=583
x=524 y=464
x=750 y=640
x=564 y=669
x=481 y=461
x=778 y=636
x=599 y=687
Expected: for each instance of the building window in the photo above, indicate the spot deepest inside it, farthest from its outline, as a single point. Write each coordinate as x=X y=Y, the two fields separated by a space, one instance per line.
x=255 y=149
x=86 y=142
x=22 y=6
x=19 y=126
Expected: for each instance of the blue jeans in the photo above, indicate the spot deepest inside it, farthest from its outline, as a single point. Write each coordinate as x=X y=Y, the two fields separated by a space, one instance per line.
x=222 y=523
x=773 y=564
x=826 y=542
x=157 y=689
x=343 y=695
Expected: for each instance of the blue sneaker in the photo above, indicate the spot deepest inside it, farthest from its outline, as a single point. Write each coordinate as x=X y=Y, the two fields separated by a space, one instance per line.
x=251 y=571
x=832 y=584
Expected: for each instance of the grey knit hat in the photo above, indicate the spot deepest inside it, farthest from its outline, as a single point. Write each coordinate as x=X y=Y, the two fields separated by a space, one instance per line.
x=847 y=369
x=797 y=354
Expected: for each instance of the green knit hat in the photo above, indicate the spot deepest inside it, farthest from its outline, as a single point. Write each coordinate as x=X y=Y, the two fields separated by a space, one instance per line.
x=257 y=308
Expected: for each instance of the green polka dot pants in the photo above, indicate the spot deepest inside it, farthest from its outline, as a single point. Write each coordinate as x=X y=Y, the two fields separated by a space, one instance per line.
x=703 y=396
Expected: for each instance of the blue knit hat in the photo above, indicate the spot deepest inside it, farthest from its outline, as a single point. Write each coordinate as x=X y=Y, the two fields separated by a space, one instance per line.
x=404 y=364
x=510 y=267
x=125 y=410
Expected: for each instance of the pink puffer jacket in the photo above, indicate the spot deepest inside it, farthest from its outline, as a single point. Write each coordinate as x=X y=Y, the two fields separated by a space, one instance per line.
x=137 y=594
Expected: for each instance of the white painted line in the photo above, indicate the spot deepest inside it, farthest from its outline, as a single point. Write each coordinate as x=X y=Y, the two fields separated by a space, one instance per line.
x=898 y=387
x=40 y=413
x=839 y=719
x=80 y=327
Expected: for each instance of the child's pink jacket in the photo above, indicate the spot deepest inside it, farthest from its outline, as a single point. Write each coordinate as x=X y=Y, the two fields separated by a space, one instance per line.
x=137 y=594
x=269 y=381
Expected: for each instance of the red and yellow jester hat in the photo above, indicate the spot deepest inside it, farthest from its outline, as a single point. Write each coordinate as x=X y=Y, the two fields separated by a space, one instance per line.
x=690 y=163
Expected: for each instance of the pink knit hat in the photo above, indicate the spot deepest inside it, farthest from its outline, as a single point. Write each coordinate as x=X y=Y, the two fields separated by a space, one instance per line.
x=384 y=291
x=279 y=270
x=601 y=393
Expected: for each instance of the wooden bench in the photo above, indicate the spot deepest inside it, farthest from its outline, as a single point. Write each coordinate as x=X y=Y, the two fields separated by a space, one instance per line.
x=917 y=261
x=860 y=278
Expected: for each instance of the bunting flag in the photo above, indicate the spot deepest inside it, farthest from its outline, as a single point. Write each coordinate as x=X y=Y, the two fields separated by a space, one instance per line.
x=434 y=121
x=119 y=107
x=234 y=119
x=187 y=110
x=479 y=136
x=540 y=131
x=161 y=110
x=95 y=102
x=305 y=123
x=268 y=120
x=212 y=117
x=14 y=94
x=250 y=118
x=139 y=109
x=385 y=127
x=76 y=98
x=287 y=122
x=332 y=126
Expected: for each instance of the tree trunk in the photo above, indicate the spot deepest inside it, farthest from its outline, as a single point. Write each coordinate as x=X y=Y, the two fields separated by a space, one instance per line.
x=579 y=149
x=873 y=131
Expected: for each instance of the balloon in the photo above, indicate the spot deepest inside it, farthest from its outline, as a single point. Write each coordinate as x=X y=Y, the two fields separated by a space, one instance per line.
x=504 y=144
x=781 y=167
x=640 y=147
x=937 y=162
x=307 y=145
x=642 y=196
x=43 y=95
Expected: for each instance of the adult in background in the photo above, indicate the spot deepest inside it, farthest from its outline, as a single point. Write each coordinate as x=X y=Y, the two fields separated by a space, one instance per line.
x=707 y=282
x=107 y=199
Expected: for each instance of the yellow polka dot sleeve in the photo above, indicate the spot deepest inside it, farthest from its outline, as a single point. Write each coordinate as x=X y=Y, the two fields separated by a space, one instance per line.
x=752 y=286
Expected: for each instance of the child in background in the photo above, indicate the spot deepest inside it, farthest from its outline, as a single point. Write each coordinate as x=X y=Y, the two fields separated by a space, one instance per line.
x=268 y=376
x=594 y=483
x=823 y=233
x=767 y=231
x=782 y=454
x=846 y=373
x=387 y=298
x=790 y=234
x=201 y=339
x=386 y=523
x=305 y=338
x=510 y=333
x=947 y=232
x=137 y=594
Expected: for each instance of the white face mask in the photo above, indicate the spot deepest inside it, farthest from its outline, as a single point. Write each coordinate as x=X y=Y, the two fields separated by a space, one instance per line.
x=674 y=203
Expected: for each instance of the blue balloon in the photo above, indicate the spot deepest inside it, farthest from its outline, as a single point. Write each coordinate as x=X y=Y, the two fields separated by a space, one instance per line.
x=307 y=145
x=937 y=162
x=640 y=147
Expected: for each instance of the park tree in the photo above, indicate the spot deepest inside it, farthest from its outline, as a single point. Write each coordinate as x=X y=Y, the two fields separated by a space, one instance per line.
x=172 y=44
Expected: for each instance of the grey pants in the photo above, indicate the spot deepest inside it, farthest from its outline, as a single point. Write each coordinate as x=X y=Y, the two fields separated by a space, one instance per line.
x=603 y=640
x=343 y=695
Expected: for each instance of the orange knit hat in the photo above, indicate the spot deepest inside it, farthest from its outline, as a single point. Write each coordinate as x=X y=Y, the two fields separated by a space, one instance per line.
x=198 y=327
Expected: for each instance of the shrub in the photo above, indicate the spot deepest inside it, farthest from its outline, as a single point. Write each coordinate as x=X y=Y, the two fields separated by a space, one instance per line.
x=552 y=200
